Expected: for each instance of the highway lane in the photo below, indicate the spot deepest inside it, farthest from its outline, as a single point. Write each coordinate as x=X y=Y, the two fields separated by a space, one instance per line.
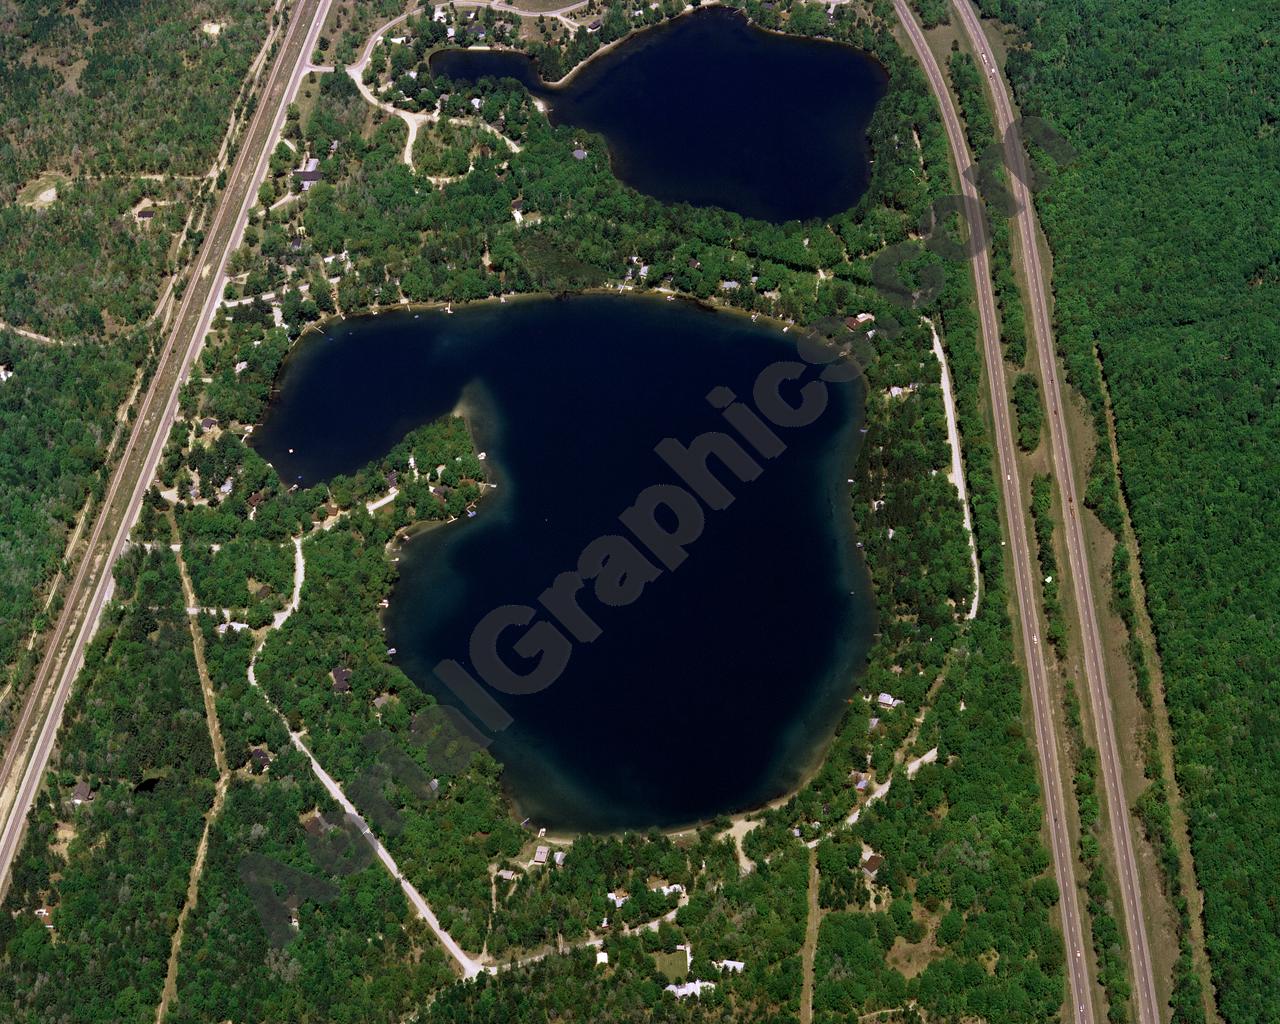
x=92 y=584
x=1086 y=607
x=1020 y=558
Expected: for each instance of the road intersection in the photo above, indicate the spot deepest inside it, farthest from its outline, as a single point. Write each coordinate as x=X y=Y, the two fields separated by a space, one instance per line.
x=32 y=741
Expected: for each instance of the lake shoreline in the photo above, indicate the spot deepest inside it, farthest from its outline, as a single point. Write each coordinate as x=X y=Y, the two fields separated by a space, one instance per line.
x=566 y=79
x=814 y=755
x=709 y=305
x=637 y=372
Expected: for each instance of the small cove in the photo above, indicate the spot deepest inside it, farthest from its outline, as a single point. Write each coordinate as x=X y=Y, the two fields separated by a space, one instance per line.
x=717 y=688
x=711 y=110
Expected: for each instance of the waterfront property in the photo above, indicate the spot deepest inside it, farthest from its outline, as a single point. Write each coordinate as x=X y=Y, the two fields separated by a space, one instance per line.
x=711 y=110
x=720 y=684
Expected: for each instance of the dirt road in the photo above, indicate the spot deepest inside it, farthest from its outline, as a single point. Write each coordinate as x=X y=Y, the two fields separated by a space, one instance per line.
x=33 y=738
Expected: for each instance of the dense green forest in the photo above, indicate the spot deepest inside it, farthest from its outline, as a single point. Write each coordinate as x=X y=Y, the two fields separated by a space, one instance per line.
x=57 y=412
x=112 y=871
x=108 y=107
x=98 y=95
x=360 y=956
x=957 y=921
x=1165 y=245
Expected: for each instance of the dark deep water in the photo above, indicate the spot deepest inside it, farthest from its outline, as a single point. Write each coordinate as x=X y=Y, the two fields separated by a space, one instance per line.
x=716 y=688
x=711 y=110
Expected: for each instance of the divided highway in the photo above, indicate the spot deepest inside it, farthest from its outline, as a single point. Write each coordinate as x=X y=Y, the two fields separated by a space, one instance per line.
x=1086 y=608
x=1020 y=557
x=33 y=739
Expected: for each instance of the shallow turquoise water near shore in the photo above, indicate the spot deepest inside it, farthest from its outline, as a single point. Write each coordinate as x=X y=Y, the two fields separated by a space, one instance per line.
x=715 y=688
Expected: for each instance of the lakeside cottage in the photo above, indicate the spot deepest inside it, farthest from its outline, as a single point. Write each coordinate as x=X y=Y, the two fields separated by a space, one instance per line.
x=540 y=854
x=690 y=988
x=341 y=679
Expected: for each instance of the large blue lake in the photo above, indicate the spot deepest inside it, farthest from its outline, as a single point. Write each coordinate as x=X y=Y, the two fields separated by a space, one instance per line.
x=721 y=684
x=710 y=110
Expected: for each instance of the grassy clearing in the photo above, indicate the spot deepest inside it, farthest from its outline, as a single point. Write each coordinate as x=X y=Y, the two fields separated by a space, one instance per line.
x=43 y=191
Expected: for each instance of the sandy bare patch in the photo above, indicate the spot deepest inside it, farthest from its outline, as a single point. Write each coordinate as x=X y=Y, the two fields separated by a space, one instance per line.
x=42 y=192
x=62 y=837
x=213 y=28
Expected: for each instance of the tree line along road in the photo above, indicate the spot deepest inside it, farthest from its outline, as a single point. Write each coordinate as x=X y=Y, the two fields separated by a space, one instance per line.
x=1063 y=468
x=33 y=738
x=1020 y=557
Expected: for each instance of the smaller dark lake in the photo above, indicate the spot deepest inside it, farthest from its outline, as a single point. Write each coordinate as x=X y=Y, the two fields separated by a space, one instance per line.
x=713 y=111
x=719 y=686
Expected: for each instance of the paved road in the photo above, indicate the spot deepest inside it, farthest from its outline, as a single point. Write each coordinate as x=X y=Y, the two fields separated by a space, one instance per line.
x=1020 y=558
x=1086 y=607
x=33 y=738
